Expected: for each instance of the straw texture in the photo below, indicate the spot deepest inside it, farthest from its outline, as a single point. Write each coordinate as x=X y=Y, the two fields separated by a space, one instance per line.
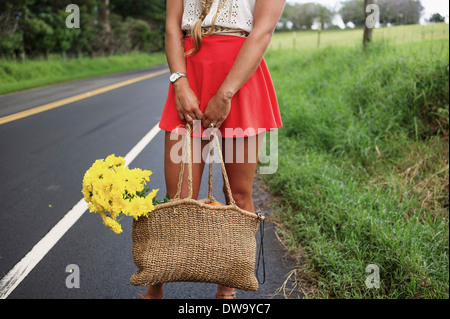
x=191 y=241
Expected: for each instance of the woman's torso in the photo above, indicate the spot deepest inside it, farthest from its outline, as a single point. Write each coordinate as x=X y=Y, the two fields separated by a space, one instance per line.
x=235 y=14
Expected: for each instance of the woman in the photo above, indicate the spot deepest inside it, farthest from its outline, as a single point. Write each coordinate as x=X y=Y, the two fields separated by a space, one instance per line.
x=215 y=52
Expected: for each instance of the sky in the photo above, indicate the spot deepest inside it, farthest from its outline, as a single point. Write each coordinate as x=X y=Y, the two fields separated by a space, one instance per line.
x=431 y=6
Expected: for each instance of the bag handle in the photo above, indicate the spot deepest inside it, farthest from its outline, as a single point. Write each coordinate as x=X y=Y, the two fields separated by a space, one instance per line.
x=187 y=155
x=212 y=139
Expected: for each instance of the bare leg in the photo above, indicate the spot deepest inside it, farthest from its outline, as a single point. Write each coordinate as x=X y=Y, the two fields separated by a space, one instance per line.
x=240 y=176
x=172 y=169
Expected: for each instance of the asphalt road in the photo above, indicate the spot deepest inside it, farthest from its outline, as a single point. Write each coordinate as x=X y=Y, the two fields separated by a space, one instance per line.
x=42 y=163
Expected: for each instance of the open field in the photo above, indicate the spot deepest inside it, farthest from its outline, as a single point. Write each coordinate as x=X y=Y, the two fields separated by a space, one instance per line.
x=363 y=173
x=305 y=40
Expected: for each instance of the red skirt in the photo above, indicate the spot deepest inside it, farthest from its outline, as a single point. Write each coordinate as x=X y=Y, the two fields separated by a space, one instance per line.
x=254 y=108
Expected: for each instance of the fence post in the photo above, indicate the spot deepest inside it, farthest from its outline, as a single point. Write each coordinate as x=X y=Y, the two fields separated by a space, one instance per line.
x=367 y=31
x=294 y=40
x=319 y=29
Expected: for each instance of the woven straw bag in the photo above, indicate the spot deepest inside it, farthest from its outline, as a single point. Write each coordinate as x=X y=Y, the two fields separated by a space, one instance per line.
x=188 y=240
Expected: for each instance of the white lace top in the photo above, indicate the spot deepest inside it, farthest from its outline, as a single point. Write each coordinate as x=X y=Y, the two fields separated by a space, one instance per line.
x=235 y=14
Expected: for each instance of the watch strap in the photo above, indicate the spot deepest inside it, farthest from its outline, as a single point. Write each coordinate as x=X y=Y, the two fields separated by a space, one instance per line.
x=176 y=76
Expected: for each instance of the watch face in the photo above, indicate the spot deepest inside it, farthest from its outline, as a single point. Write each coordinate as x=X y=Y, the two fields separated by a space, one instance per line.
x=173 y=77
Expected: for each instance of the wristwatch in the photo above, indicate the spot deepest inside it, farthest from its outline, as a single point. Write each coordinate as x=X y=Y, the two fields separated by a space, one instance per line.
x=175 y=76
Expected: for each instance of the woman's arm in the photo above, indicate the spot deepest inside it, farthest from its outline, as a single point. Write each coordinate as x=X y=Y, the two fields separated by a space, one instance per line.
x=266 y=16
x=188 y=105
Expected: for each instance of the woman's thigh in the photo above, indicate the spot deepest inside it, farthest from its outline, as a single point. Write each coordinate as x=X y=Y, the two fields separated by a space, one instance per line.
x=241 y=158
x=174 y=145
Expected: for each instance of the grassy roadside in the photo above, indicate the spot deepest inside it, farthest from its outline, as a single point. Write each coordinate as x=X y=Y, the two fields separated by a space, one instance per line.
x=17 y=76
x=363 y=167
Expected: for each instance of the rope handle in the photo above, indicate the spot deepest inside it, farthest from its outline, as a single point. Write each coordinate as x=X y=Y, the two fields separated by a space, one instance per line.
x=187 y=155
x=229 y=194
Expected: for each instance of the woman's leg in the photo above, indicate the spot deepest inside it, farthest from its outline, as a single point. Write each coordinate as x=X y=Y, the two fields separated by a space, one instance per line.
x=172 y=154
x=241 y=168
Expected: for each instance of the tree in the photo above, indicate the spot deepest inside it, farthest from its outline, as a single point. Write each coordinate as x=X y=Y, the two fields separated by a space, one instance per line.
x=105 y=33
x=398 y=12
x=437 y=18
x=11 y=35
x=367 y=29
x=64 y=37
x=153 y=12
x=351 y=12
x=391 y=12
x=38 y=36
x=37 y=27
x=304 y=15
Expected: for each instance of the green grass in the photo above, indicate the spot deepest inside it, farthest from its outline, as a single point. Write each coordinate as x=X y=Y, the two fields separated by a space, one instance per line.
x=17 y=76
x=363 y=166
x=307 y=40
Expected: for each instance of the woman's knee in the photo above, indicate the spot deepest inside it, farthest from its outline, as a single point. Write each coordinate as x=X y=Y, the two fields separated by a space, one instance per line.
x=242 y=197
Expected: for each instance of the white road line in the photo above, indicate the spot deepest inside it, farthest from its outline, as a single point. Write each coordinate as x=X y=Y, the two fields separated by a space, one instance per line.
x=18 y=273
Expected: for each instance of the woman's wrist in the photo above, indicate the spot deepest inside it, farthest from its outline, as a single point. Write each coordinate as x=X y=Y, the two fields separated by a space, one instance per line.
x=225 y=94
x=182 y=81
x=181 y=84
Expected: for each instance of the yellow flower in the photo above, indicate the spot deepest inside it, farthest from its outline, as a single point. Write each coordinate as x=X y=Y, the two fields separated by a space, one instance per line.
x=112 y=160
x=112 y=224
x=96 y=208
x=109 y=186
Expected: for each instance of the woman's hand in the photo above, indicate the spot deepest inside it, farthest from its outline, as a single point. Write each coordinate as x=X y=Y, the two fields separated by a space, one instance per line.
x=188 y=104
x=217 y=109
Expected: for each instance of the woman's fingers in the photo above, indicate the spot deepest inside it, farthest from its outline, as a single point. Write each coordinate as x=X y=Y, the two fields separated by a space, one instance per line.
x=216 y=112
x=180 y=115
x=205 y=121
x=219 y=124
x=188 y=105
x=198 y=114
x=189 y=118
